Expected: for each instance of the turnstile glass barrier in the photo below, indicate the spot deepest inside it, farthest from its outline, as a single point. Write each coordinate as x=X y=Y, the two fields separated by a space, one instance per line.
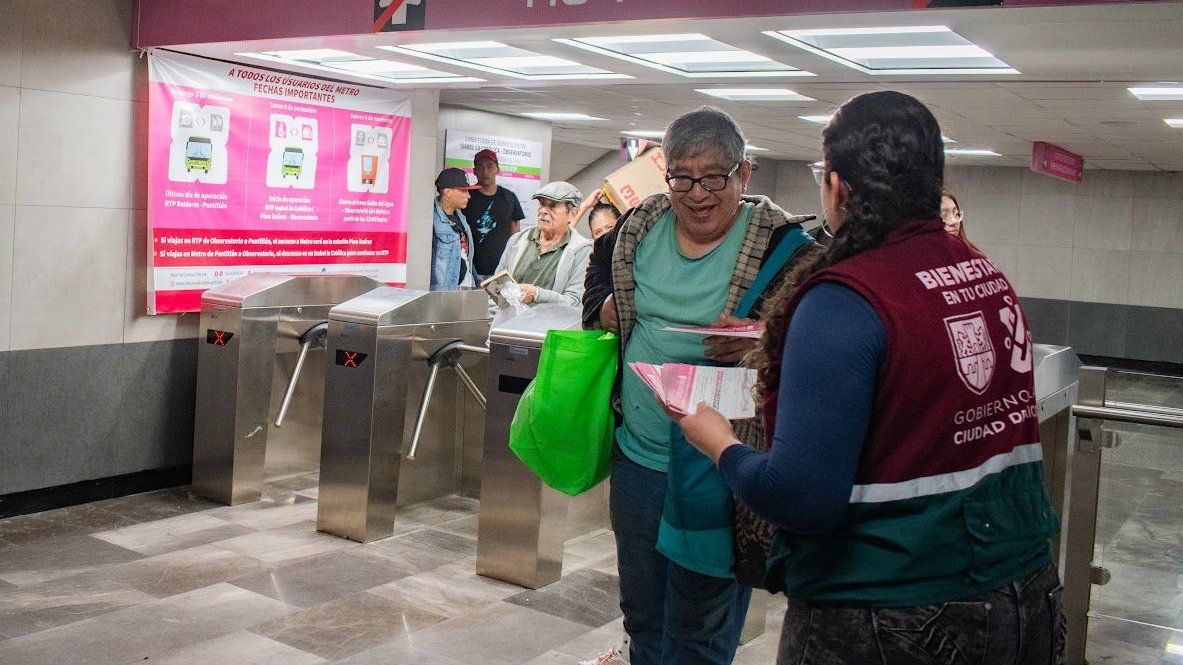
x=524 y=524
x=403 y=411
x=1124 y=529
x=255 y=331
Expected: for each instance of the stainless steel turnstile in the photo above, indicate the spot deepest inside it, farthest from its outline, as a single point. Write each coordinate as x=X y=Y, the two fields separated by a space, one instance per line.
x=244 y=325
x=524 y=524
x=1057 y=369
x=402 y=381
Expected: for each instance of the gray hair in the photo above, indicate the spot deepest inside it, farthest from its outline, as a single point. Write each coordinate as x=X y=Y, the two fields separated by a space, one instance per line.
x=704 y=130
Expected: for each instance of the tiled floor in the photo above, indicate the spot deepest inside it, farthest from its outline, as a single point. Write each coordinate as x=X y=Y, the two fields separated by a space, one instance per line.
x=166 y=577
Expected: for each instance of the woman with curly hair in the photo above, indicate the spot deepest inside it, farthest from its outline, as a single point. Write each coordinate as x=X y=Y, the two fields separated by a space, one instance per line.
x=905 y=473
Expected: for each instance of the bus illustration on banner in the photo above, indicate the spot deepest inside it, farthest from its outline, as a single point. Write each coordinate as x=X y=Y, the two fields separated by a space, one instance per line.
x=293 y=162
x=199 y=153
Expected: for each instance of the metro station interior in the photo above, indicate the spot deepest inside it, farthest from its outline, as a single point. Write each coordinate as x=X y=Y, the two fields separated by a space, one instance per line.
x=225 y=480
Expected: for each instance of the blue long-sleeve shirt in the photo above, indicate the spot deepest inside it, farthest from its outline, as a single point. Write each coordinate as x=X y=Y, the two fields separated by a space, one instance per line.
x=831 y=360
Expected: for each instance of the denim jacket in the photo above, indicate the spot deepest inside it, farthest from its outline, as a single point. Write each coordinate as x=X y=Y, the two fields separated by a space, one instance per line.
x=445 y=250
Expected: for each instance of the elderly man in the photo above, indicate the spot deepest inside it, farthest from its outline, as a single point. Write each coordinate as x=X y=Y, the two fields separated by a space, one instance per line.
x=493 y=214
x=688 y=257
x=549 y=261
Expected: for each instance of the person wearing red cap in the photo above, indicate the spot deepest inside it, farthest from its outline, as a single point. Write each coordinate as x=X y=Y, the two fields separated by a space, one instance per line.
x=493 y=213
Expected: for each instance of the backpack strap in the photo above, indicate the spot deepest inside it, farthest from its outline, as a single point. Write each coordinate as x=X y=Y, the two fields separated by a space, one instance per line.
x=789 y=244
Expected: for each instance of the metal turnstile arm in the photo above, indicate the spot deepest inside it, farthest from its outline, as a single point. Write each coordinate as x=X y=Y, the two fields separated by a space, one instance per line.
x=428 y=391
x=447 y=355
x=314 y=336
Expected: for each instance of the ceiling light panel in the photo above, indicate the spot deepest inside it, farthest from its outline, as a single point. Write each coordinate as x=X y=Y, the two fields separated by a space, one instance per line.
x=1177 y=123
x=316 y=55
x=910 y=50
x=644 y=133
x=971 y=152
x=561 y=117
x=756 y=94
x=816 y=119
x=498 y=58
x=341 y=63
x=1159 y=93
x=691 y=55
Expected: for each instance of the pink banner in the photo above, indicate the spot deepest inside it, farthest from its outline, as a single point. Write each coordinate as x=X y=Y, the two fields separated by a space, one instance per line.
x=254 y=170
x=1057 y=162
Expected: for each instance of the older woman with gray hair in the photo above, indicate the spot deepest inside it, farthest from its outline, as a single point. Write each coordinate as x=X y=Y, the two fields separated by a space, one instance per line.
x=685 y=258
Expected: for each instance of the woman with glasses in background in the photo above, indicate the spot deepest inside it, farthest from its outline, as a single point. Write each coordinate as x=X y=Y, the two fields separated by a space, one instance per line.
x=905 y=470
x=954 y=218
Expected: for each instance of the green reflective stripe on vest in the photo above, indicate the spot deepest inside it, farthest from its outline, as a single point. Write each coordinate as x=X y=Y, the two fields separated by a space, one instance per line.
x=929 y=549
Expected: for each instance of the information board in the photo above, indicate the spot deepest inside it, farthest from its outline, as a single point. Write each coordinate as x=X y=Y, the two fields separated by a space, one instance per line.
x=519 y=162
x=254 y=170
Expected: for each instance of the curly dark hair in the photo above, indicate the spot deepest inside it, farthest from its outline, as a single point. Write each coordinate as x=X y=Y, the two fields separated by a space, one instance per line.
x=886 y=147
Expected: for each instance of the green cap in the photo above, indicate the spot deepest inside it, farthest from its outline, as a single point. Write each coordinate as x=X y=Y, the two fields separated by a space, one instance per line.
x=560 y=191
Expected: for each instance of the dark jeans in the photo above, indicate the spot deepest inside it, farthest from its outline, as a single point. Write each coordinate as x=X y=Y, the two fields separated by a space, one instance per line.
x=673 y=616
x=1019 y=624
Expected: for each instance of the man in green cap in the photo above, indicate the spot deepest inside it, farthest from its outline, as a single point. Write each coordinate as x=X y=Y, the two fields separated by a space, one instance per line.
x=549 y=261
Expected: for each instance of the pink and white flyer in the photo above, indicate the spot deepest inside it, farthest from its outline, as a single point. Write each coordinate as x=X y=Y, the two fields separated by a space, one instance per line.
x=682 y=387
x=253 y=170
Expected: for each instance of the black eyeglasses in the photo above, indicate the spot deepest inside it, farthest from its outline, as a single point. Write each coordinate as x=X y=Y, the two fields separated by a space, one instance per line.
x=711 y=183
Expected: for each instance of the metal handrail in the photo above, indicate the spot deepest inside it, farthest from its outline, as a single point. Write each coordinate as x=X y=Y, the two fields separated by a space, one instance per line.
x=1126 y=416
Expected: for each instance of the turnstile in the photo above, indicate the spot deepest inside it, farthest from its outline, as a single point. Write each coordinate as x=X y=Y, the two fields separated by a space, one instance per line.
x=524 y=524
x=1056 y=379
x=401 y=383
x=244 y=325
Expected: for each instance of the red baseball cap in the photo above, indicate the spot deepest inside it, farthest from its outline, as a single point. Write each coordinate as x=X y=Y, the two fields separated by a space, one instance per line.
x=486 y=154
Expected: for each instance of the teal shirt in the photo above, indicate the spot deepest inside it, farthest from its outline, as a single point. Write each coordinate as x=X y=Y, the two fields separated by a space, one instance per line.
x=672 y=290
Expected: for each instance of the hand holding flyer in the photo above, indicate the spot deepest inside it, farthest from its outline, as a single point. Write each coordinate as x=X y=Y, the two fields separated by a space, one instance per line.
x=681 y=387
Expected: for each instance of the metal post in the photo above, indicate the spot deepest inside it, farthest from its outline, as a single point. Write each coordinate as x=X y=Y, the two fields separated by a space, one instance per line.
x=1080 y=529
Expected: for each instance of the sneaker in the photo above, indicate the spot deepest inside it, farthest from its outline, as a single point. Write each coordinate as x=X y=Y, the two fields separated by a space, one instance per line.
x=612 y=656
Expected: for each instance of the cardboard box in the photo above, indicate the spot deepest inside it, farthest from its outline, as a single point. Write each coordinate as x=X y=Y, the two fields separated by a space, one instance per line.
x=634 y=182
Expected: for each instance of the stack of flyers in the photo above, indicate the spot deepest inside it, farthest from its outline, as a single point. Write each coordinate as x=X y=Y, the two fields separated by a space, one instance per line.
x=754 y=330
x=681 y=387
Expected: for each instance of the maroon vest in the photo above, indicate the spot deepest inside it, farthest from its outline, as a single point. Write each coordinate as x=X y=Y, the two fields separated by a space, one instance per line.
x=957 y=384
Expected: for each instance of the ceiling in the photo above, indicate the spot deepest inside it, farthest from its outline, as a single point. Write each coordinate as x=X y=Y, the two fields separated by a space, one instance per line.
x=1076 y=64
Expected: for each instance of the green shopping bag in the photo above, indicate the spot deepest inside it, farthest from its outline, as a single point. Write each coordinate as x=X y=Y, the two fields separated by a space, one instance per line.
x=563 y=426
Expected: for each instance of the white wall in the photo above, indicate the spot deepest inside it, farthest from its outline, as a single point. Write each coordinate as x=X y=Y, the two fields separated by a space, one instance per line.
x=567 y=160
x=73 y=107
x=425 y=138
x=73 y=224
x=1115 y=238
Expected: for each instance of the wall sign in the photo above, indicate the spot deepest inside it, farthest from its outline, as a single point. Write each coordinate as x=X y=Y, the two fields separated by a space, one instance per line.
x=1057 y=162
x=254 y=170
x=520 y=163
